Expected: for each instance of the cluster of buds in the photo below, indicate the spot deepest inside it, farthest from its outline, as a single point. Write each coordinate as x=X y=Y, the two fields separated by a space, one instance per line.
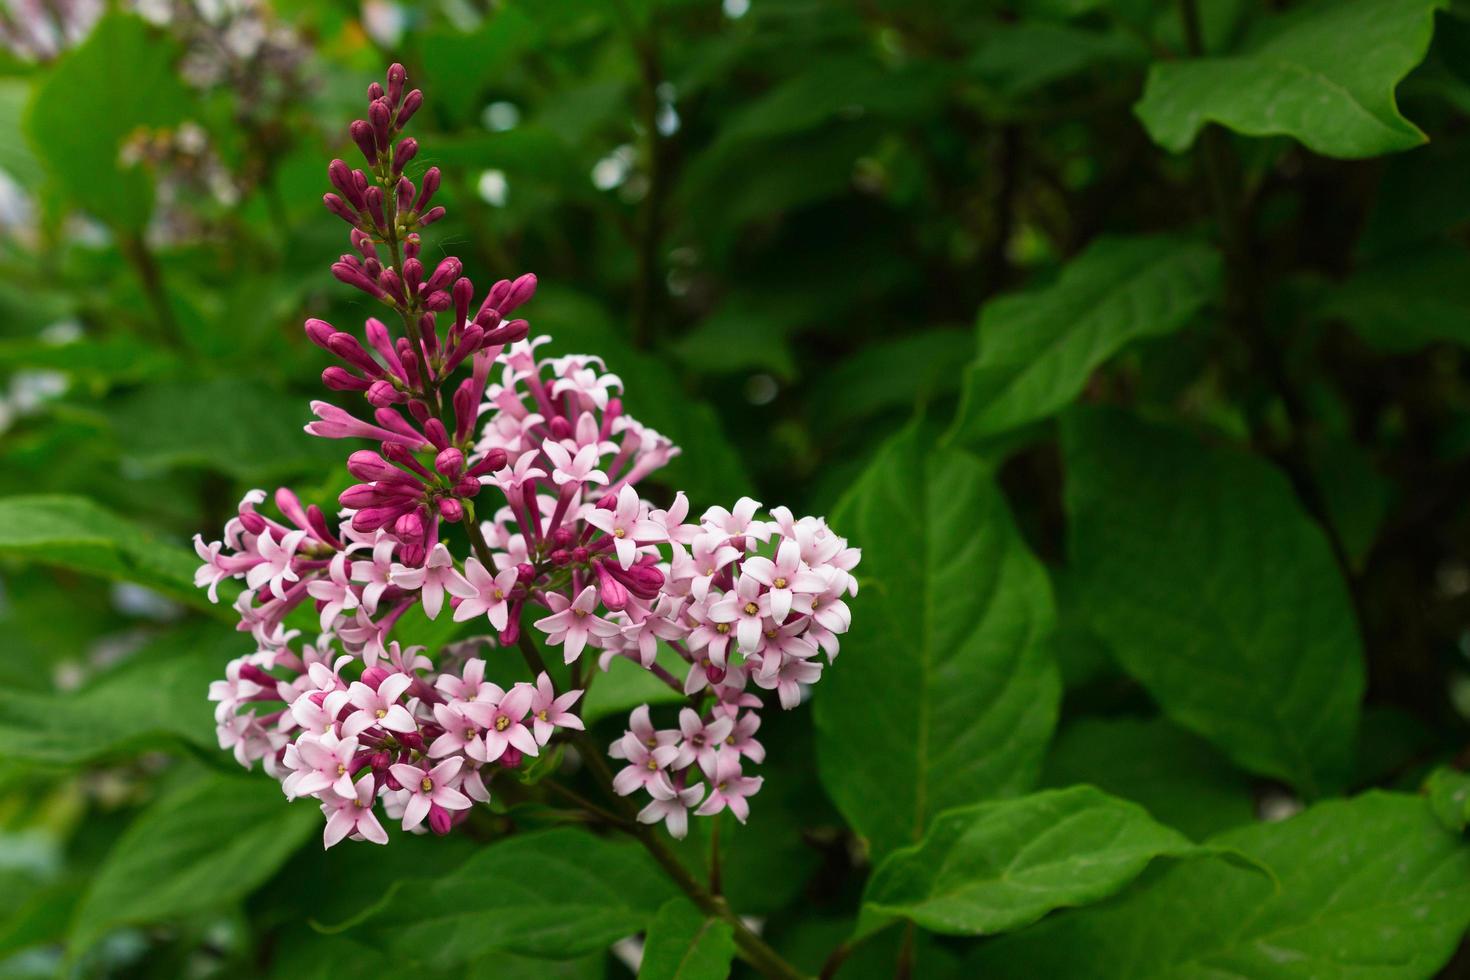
x=741 y=602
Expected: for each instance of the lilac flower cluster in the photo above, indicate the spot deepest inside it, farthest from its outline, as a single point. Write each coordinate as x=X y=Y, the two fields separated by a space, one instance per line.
x=354 y=719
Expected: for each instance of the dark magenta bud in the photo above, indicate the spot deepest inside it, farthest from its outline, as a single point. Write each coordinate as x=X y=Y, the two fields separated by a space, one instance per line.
x=434 y=431
x=319 y=332
x=380 y=117
x=431 y=216
x=362 y=134
x=450 y=463
x=338 y=378
x=411 y=103
x=397 y=77
x=341 y=209
x=381 y=394
x=451 y=510
x=375 y=675
x=440 y=821
x=467 y=487
x=428 y=185
x=512 y=758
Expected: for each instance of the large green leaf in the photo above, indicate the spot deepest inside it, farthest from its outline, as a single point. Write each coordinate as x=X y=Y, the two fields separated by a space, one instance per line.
x=558 y=894
x=1038 y=348
x=160 y=699
x=1178 y=778
x=1407 y=300
x=74 y=532
x=1324 y=74
x=1371 y=888
x=1214 y=590
x=121 y=79
x=684 y=944
x=994 y=867
x=199 y=848
x=204 y=423
x=945 y=692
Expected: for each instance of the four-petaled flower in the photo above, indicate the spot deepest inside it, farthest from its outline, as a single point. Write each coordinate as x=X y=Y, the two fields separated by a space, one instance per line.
x=429 y=788
x=571 y=624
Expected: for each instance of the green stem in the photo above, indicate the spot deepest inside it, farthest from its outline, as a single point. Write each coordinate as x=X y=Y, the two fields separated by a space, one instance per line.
x=150 y=276
x=752 y=948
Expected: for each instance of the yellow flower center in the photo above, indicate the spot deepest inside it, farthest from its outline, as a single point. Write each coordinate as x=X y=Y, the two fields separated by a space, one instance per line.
x=428 y=785
x=780 y=583
x=502 y=723
x=619 y=533
x=382 y=712
x=751 y=609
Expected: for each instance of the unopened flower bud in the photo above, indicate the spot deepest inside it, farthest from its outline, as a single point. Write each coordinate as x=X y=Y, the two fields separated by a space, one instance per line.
x=338 y=378
x=451 y=510
x=375 y=675
x=319 y=332
x=397 y=77
x=362 y=135
x=411 y=103
x=449 y=463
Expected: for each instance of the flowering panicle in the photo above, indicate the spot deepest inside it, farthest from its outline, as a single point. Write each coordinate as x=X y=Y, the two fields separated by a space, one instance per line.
x=464 y=416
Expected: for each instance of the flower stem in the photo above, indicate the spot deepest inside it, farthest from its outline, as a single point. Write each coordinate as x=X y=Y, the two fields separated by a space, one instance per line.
x=752 y=948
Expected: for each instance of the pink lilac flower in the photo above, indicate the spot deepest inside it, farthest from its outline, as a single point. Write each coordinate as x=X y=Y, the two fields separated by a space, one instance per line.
x=729 y=788
x=326 y=763
x=626 y=525
x=379 y=708
x=352 y=815
x=335 y=592
x=701 y=740
x=491 y=597
x=435 y=577
x=646 y=764
x=430 y=788
x=671 y=806
x=549 y=712
x=504 y=722
x=540 y=462
x=574 y=623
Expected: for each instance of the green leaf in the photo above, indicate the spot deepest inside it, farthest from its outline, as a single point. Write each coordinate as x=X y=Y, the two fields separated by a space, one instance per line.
x=74 y=532
x=559 y=894
x=625 y=686
x=158 y=699
x=994 y=867
x=1371 y=888
x=1449 y=797
x=1323 y=73
x=682 y=944
x=1178 y=778
x=119 y=80
x=199 y=848
x=198 y=423
x=945 y=692
x=889 y=374
x=1408 y=300
x=1017 y=59
x=1038 y=348
x=1214 y=590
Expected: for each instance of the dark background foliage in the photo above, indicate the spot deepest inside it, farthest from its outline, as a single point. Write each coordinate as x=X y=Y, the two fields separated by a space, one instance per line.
x=1219 y=377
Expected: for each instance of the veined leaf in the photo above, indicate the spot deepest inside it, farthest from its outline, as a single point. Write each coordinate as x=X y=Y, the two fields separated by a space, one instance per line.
x=1037 y=349
x=197 y=849
x=948 y=693
x=684 y=944
x=1323 y=74
x=558 y=894
x=1372 y=888
x=994 y=867
x=1214 y=590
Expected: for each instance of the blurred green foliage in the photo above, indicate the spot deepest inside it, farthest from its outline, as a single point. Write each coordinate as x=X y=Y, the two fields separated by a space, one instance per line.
x=859 y=258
